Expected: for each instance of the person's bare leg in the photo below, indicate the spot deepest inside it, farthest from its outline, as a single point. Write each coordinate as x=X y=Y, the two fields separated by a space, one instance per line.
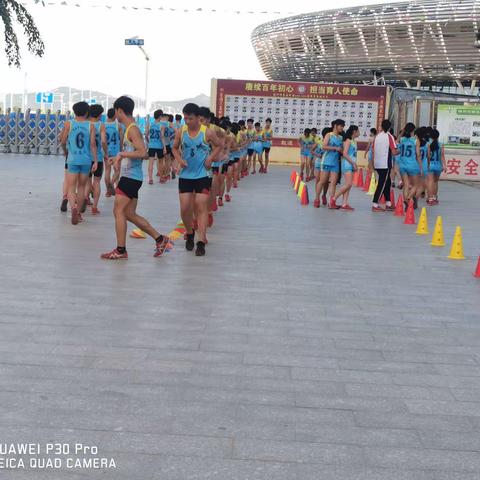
x=186 y=210
x=96 y=191
x=201 y=209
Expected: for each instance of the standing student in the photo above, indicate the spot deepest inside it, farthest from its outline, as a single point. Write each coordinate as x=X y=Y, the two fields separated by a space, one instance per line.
x=78 y=144
x=131 y=179
x=243 y=168
x=95 y=112
x=384 y=148
x=422 y=152
x=177 y=125
x=154 y=134
x=371 y=139
x=195 y=148
x=305 y=145
x=257 y=146
x=250 y=132
x=330 y=168
x=114 y=146
x=267 y=142
x=349 y=164
x=410 y=164
x=436 y=165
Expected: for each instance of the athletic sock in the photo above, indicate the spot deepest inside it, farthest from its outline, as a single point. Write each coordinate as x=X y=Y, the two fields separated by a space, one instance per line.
x=121 y=250
x=159 y=239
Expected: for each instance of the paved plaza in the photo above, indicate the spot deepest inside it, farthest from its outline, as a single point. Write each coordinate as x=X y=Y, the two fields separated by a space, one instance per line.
x=307 y=345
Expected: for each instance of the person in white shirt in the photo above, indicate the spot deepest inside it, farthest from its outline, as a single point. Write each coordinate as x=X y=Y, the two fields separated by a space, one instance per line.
x=384 y=148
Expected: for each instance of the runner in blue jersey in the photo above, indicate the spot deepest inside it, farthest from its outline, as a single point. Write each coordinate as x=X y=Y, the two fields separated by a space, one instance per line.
x=195 y=148
x=177 y=125
x=436 y=165
x=410 y=164
x=78 y=143
x=349 y=165
x=114 y=135
x=95 y=113
x=154 y=135
x=422 y=150
x=267 y=142
x=330 y=169
x=131 y=178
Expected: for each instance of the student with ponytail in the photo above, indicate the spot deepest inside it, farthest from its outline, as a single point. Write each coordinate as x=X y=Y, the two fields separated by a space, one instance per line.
x=436 y=164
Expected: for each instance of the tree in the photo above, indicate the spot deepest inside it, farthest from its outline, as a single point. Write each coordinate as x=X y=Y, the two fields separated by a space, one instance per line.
x=12 y=11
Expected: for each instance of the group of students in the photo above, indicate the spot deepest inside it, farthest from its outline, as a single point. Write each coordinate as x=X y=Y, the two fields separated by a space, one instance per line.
x=418 y=160
x=209 y=155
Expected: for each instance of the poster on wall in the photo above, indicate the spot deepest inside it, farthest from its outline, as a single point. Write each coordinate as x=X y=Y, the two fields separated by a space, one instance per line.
x=459 y=126
x=294 y=106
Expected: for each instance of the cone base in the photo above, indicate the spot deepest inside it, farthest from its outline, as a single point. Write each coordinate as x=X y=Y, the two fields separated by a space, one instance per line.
x=438 y=244
x=423 y=233
x=456 y=257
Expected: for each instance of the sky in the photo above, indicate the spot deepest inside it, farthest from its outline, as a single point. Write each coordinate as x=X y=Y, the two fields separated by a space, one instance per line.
x=84 y=47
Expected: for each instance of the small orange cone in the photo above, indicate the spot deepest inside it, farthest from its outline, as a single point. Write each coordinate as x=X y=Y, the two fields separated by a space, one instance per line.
x=293 y=177
x=360 y=178
x=382 y=200
x=137 y=233
x=297 y=183
x=366 y=185
x=477 y=271
x=399 y=207
x=410 y=215
x=304 y=196
x=392 y=196
x=355 y=178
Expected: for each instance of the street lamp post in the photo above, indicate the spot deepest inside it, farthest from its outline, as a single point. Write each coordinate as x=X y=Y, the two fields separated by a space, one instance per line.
x=139 y=42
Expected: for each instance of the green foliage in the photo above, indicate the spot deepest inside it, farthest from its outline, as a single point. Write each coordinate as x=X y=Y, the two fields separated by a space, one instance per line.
x=12 y=11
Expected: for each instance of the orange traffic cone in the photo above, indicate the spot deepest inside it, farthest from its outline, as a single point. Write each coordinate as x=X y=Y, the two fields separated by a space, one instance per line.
x=366 y=185
x=410 y=215
x=477 y=271
x=399 y=208
x=293 y=176
x=296 y=184
x=382 y=200
x=360 y=178
x=304 y=196
x=392 y=196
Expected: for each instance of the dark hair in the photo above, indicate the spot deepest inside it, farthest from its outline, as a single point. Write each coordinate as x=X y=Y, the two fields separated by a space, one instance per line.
x=373 y=130
x=325 y=131
x=170 y=118
x=95 y=110
x=225 y=123
x=306 y=131
x=434 y=146
x=124 y=103
x=421 y=133
x=428 y=132
x=408 y=129
x=313 y=130
x=235 y=128
x=191 y=109
x=204 y=112
x=339 y=122
x=157 y=114
x=349 y=133
x=178 y=117
x=386 y=125
x=241 y=123
x=257 y=124
x=110 y=113
x=80 y=109
x=214 y=120
x=268 y=120
x=249 y=120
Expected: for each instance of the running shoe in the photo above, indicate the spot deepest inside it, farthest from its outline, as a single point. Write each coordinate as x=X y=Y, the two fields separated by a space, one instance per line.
x=400 y=186
x=150 y=182
x=228 y=198
x=235 y=184
x=333 y=204
x=200 y=251
x=324 y=200
x=108 y=193
x=348 y=208
x=64 y=205
x=316 y=203
x=114 y=255
x=75 y=216
x=161 y=246
x=190 y=241
x=95 y=211
x=220 y=201
x=389 y=208
x=377 y=209
x=253 y=172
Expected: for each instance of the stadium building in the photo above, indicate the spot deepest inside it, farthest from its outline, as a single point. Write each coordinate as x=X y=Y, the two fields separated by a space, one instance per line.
x=425 y=44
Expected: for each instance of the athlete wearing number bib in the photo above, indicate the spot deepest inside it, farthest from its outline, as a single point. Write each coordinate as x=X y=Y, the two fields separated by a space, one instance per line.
x=78 y=144
x=100 y=153
x=331 y=158
x=113 y=139
x=408 y=157
x=155 y=142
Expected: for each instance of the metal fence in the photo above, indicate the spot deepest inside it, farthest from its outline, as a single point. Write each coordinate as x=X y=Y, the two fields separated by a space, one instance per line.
x=35 y=132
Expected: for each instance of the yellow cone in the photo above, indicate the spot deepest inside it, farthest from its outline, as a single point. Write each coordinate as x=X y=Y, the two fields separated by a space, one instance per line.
x=437 y=237
x=297 y=181
x=422 y=228
x=300 y=189
x=373 y=184
x=456 y=252
x=137 y=233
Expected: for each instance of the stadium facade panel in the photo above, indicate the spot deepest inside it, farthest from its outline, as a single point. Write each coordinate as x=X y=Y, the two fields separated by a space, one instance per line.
x=403 y=42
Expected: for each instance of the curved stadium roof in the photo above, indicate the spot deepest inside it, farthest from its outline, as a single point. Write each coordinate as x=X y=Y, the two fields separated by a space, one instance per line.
x=423 y=40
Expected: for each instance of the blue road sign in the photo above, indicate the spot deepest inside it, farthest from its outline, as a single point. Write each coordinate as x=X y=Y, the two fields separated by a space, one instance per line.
x=134 y=41
x=44 y=97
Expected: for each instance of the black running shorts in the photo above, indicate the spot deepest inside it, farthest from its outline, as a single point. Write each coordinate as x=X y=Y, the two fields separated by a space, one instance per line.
x=195 y=185
x=128 y=187
x=99 y=171
x=155 y=152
